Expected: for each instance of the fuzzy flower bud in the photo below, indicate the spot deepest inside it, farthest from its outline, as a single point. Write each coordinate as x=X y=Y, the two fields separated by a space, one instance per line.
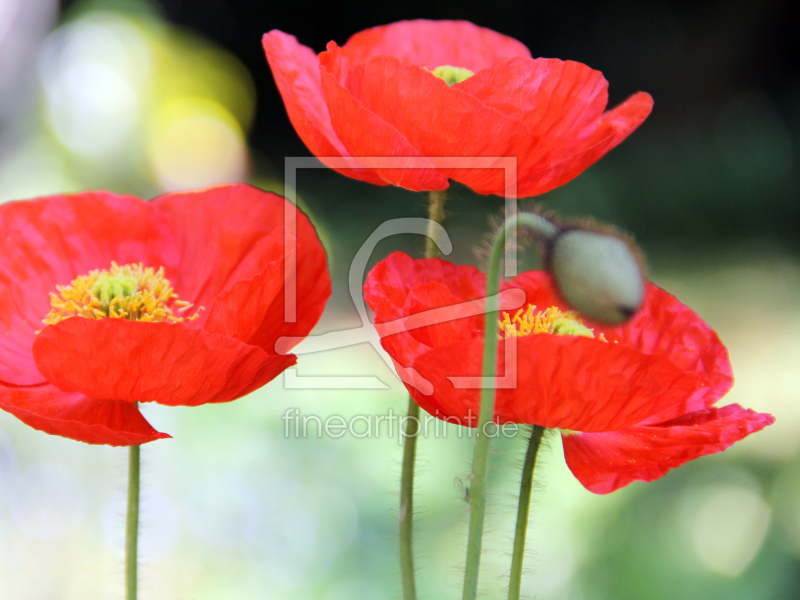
x=598 y=274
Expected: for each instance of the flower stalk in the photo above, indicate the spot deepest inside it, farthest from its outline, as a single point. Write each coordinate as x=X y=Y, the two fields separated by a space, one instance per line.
x=544 y=228
x=132 y=526
x=435 y=216
x=436 y=202
x=526 y=485
x=407 y=574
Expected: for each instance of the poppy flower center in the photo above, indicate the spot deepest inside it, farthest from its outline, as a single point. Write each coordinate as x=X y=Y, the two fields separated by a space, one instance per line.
x=452 y=75
x=552 y=320
x=132 y=292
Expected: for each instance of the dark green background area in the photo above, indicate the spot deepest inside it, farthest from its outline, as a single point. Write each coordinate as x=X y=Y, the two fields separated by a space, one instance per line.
x=717 y=159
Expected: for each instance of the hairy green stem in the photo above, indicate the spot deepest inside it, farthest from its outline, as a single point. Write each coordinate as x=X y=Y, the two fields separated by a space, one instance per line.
x=407 y=574
x=132 y=526
x=436 y=215
x=526 y=485
x=545 y=229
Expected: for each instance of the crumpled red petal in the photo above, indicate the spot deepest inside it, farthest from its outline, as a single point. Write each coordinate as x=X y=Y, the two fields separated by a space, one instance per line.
x=245 y=227
x=390 y=281
x=433 y=43
x=612 y=129
x=569 y=382
x=664 y=327
x=296 y=71
x=605 y=462
x=366 y=134
x=557 y=100
x=168 y=363
x=665 y=361
x=74 y=416
x=430 y=330
x=379 y=99
x=251 y=268
x=439 y=120
x=641 y=400
x=51 y=241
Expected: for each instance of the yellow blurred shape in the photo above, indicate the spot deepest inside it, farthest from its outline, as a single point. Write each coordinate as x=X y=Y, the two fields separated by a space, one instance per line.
x=195 y=142
x=139 y=97
x=189 y=66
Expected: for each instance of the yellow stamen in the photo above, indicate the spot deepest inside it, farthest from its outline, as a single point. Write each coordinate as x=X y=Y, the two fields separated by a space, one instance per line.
x=130 y=292
x=551 y=320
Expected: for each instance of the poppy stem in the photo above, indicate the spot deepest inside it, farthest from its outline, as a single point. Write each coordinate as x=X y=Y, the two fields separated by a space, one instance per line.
x=407 y=574
x=534 y=442
x=546 y=230
x=436 y=202
x=132 y=526
x=435 y=216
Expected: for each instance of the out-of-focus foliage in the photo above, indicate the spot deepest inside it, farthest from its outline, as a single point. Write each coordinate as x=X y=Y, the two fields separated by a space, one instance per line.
x=125 y=100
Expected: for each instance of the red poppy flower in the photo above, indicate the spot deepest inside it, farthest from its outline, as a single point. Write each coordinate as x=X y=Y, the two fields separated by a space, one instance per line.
x=420 y=89
x=197 y=279
x=631 y=401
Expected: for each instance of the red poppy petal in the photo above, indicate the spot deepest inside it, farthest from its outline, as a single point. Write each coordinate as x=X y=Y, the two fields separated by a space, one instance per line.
x=152 y=362
x=440 y=120
x=427 y=328
x=590 y=384
x=50 y=241
x=77 y=417
x=365 y=134
x=663 y=327
x=296 y=71
x=555 y=99
x=434 y=43
x=670 y=329
x=403 y=348
x=227 y=234
x=612 y=128
x=253 y=310
x=390 y=281
x=539 y=289
x=389 y=284
x=605 y=462
x=568 y=382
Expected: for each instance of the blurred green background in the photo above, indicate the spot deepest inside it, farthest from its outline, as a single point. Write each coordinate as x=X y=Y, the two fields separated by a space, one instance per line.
x=144 y=97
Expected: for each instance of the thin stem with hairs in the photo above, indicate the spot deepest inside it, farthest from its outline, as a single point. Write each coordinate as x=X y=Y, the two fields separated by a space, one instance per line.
x=436 y=215
x=526 y=485
x=132 y=526
x=544 y=228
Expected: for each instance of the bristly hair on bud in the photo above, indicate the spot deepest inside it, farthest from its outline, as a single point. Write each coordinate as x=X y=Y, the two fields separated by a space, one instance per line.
x=598 y=269
x=524 y=240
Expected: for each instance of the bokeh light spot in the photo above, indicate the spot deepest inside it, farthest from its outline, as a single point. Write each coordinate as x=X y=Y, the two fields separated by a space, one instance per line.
x=728 y=529
x=94 y=73
x=196 y=143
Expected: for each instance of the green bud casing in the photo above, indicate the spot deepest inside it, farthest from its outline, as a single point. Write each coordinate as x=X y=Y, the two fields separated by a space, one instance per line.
x=598 y=273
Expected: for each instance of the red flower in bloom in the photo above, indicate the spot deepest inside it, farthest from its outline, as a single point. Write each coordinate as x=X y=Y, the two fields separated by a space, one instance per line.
x=631 y=401
x=195 y=279
x=420 y=89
